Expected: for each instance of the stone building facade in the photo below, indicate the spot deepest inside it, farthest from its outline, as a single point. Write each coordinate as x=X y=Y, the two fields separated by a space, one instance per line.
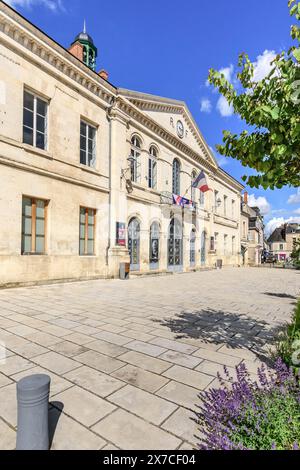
x=88 y=171
x=282 y=240
x=256 y=237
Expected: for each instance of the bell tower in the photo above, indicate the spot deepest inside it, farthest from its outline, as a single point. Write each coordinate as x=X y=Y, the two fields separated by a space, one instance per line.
x=84 y=49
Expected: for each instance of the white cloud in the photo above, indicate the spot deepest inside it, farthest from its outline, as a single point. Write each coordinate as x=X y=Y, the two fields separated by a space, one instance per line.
x=277 y=222
x=260 y=202
x=205 y=105
x=53 y=5
x=294 y=198
x=222 y=161
x=262 y=66
x=297 y=211
x=227 y=72
x=224 y=108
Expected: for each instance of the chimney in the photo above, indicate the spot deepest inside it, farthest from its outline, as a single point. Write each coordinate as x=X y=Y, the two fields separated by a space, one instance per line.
x=77 y=50
x=245 y=197
x=103 y=74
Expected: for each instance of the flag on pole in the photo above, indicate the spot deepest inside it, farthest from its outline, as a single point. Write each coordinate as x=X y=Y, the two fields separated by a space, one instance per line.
x=182 y=201
x=201 y=183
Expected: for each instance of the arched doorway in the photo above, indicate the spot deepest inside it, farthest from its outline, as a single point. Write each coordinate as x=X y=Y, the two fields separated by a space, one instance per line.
x=193 y=248
x=154 y=246
x=203 y=248
x=175 y=246
x=134 y=244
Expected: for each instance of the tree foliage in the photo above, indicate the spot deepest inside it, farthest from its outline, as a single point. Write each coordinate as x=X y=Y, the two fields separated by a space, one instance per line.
x=271 y=107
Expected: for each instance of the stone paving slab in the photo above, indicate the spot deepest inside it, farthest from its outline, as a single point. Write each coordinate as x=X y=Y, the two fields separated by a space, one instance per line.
x=127 y=359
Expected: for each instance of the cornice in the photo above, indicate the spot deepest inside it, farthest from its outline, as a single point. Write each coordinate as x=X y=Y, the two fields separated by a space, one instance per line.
x=39 y=171
x=15 y=28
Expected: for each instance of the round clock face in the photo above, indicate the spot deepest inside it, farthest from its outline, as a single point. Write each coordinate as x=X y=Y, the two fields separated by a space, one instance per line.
x=180 y=129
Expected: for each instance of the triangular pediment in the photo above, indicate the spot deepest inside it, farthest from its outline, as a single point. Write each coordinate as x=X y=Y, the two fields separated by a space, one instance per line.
x=175 y=117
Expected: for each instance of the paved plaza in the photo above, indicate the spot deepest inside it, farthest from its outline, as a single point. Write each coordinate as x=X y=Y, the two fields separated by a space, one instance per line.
x=127 y=359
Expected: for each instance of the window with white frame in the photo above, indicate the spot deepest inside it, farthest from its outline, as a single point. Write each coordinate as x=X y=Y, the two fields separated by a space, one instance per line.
x=152 y=168
x=135 y=159
x=202 y=199
x=87 y=144
x=34 y=120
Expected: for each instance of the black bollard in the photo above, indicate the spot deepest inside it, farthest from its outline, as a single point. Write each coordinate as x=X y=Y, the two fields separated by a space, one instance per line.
x=33 y=402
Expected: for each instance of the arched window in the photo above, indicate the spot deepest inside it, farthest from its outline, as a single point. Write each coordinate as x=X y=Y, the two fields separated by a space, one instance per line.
x=134 y=244
x=193 y=190
x=154 y=245
x=176 y=177
x=175 y=246
x=193 y=248
x=135 y=159
x=152 y=168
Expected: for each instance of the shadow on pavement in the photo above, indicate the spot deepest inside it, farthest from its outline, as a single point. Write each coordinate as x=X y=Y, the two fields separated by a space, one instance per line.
x=233 y=329
x=56 y=408
x=282 y=296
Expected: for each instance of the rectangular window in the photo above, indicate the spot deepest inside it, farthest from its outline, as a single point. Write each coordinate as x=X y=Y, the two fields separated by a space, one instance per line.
x=225 y=244
x=152 y=178
x=216 y=242
x=212 y=244
x=233 y=209
x=225 y=205
x=202 y=199
x=244 y=229
x=233 y=245
x=34 y=220
x=280 y=247
x=87 y=144
x=34 y=121
x=87 y=231
x=218 y=202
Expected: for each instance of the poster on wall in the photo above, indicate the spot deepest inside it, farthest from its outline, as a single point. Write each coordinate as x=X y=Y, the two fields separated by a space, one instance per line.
x=121 y=234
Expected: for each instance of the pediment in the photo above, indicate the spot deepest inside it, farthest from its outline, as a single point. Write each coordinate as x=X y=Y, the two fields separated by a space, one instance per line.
x=175 y=117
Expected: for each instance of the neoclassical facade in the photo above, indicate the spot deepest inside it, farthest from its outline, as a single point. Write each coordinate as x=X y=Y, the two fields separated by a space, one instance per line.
x=88 y=171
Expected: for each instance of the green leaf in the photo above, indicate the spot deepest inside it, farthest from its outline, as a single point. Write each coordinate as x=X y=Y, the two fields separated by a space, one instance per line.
x=296 y=54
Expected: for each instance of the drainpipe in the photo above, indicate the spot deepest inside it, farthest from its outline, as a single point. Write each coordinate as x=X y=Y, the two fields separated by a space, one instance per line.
x=109 y=180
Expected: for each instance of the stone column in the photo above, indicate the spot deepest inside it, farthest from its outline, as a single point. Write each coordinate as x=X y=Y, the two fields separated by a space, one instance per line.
x=118 y=192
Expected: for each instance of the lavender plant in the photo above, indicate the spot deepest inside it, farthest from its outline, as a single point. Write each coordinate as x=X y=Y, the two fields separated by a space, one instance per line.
x=244 y=414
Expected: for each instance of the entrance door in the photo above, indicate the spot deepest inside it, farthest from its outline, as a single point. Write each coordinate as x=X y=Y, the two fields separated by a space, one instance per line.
x=134 y=244
x=175 y=246
x=193 y=248
x=203 y=248
x=154 y=246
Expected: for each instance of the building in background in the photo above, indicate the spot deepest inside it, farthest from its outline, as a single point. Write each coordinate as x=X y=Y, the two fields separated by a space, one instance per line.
x=93 y=175
x=282 y=239
x=256 y=236
x=244 y=229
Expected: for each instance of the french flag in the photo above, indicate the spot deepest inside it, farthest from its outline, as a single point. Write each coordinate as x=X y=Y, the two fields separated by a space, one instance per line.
x=201 y=183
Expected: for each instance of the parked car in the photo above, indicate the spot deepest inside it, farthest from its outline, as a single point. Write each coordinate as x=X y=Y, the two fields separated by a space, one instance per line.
x=269 y=258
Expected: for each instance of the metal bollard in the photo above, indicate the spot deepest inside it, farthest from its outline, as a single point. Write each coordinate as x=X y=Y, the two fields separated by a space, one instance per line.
x=33 y=401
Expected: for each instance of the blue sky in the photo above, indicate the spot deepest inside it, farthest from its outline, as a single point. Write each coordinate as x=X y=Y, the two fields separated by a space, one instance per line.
x=166 y=47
